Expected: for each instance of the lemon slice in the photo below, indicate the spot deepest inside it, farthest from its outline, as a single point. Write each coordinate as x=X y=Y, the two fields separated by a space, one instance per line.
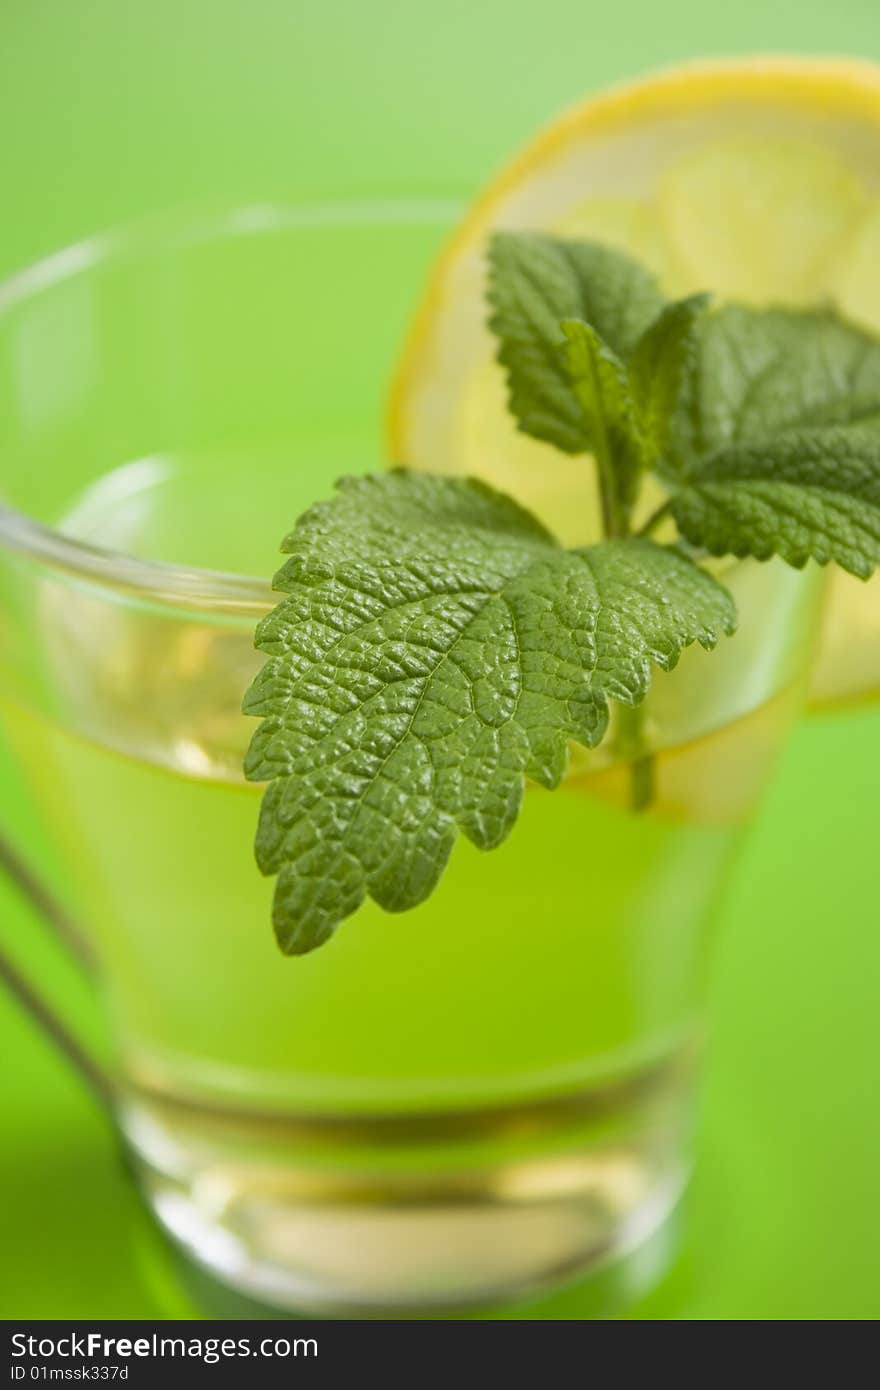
x=758 y=179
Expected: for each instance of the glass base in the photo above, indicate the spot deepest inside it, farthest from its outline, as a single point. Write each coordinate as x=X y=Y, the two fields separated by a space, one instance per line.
x=419 y=1214
x=606 y=1289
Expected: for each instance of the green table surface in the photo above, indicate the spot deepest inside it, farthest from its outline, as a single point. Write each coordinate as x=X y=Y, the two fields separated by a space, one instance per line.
x=118 y=108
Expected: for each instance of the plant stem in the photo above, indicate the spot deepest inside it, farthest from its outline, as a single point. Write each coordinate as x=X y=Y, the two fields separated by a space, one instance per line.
x=655 y=518
x=641 y=787
x=631 y=747
x=616 y=525
x=615 y=511
x=607 y=503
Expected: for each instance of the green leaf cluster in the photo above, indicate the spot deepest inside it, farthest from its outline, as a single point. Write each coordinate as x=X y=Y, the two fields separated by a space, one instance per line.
x=434 y=645
x=763 y=424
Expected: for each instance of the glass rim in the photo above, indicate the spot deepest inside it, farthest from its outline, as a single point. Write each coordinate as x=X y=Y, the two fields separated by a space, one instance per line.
x=160 y=581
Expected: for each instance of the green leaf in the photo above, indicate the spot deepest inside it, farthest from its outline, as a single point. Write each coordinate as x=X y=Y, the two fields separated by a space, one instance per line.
x=661 y=364
x=806 y=494
x=760 y=372
x=435 y=645
x=536 y=282
x=776 y=447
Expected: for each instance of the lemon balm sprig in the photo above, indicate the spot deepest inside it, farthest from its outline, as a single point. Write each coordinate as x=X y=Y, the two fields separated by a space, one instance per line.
x=762 y=425
x=749 y=418
x=435 y=645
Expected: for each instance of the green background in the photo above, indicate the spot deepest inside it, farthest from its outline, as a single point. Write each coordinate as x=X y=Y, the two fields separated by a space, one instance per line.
x=110 y=108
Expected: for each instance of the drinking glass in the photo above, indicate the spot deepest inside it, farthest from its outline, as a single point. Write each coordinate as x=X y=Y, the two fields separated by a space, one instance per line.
x=446 y=1108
